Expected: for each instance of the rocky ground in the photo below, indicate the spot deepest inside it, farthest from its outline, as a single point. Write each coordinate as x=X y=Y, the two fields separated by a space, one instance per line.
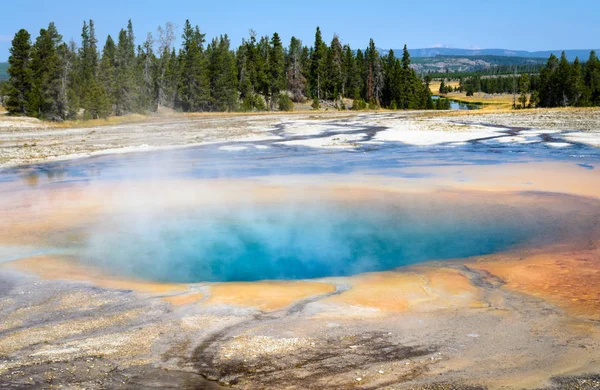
x=521 y=319
x=55 y=334
x=25 y=140
x=528 y=318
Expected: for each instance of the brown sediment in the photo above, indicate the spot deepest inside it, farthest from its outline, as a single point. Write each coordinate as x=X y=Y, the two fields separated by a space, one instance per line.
x=557 y=177
x=419 y=289
x=569 y=279
x=63 y=212
x=65 y=268
x=261 y=295
x=501 y=331
x=266 y=296
x=60 y=213
x=184 y=299
x=45 y=333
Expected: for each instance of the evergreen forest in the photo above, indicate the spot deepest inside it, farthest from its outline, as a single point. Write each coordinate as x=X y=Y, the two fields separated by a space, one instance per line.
x=56 y=80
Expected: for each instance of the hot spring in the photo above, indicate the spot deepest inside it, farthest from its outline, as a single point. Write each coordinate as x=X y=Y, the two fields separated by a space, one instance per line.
x=315 y=234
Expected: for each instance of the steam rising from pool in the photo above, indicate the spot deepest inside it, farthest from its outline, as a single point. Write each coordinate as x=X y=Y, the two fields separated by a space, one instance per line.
x=310 y=238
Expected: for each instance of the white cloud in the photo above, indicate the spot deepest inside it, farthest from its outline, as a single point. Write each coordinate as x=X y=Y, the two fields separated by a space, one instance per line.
x=5 y=38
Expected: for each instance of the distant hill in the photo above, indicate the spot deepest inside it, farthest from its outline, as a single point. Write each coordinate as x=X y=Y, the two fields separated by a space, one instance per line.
x=3 y=69
x=432 y=52
x=441 y=63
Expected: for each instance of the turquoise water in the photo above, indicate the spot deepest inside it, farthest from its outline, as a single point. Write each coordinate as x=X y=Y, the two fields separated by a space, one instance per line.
x=461 y=106
x=309 y=240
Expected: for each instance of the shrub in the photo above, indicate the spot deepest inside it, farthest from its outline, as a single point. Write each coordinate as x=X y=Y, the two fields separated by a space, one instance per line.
x=315 y=104
x=358 y=104
x=285 y=103
x=253 y=102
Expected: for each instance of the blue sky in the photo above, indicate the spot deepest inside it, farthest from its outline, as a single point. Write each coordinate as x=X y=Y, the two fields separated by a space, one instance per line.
x=509 y=24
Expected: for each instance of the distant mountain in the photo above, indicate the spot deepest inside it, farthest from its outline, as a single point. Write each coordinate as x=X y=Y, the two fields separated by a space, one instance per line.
x=444 y=51
x=3 y=69
x=443 y=63
x=440 y=58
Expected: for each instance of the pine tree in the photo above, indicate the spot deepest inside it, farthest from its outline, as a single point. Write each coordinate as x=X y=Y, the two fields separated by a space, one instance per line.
x=318 y=67
x=443 y=88
x=523 y=88
x=88 y=53
x=247 y=67
x=390 y=90
x=361 y=70
x=251 y=73
x=70 y=78
x=563 y=82
x=96 y=102
x=261 y=61
x=351 y=75
x=575 y=87
x=592 y=80
x=548 y=91
x=19 y=72
x=126 y=99
x=64 y=89
x=146 y=76
x=428 y=101
x=534 y=99
x=45 y=99
x=223 y=75
x=107 y=72
x=194 y=83
x=375 y=77
x=91 y=93
x=276 y=70
x=171 y=80
x=334 y=64
x=296 y=81
x=412 y=86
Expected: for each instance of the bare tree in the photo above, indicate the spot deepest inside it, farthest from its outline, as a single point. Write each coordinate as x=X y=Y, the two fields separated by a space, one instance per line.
x=295 y=80
x=166 y=37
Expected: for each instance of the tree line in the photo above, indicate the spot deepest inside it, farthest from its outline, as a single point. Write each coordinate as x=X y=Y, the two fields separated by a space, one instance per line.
x=55 y=80
x=559 y=83
x=489 y=71
x=574 y=84
x=499 y=84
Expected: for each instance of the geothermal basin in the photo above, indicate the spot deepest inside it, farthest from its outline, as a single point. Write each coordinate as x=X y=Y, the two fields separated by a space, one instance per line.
x=345 y=260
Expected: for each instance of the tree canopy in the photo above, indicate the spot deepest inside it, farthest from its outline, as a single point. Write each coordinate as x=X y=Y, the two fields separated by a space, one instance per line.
x=57 y=80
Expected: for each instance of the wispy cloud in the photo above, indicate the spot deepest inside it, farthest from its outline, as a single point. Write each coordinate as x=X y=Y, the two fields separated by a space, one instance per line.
x=5 y=38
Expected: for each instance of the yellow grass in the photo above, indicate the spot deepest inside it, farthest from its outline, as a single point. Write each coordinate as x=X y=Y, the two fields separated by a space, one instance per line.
x=113 y=120
x=434 y=86
x=139 y=118
x=492 y=102
x=499 y=109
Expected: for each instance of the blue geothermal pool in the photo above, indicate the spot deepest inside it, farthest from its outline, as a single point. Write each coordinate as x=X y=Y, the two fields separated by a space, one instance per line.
x=314 y=239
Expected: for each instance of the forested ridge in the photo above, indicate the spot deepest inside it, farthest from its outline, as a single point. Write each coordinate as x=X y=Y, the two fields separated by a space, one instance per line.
x=558 y=83
x=3 y=71
x=56 y=80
